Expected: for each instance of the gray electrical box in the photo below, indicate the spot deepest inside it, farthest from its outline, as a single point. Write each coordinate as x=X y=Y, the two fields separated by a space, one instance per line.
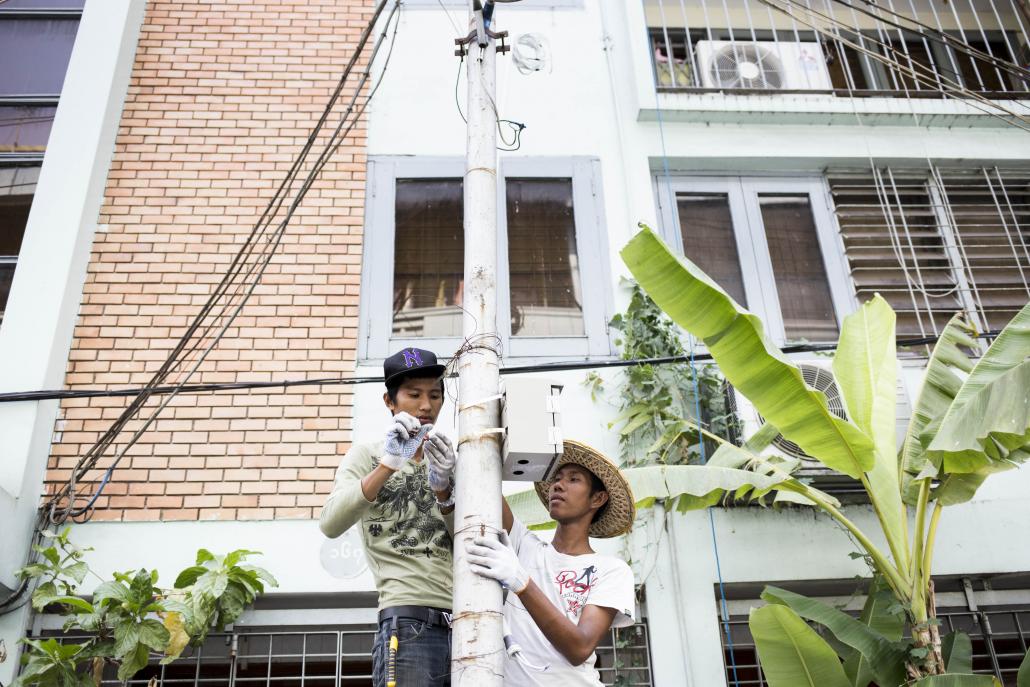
x=531 y=416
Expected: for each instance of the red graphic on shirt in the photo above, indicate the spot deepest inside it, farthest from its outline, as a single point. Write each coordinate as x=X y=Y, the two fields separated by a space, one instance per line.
x=574 y=587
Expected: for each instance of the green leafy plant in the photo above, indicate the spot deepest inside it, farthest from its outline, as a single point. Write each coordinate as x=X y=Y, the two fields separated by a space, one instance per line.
x=658 y=406
x=130 y=618
x=972 y=420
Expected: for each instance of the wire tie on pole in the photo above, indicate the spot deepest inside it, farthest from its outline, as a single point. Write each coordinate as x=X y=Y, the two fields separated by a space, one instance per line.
x=481 y=401
x=480 y=434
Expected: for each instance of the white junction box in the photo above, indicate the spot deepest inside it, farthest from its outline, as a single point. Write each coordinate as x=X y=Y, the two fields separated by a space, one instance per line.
x=531 y=416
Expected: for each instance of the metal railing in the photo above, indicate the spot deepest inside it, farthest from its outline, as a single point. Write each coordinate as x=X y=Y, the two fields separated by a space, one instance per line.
x=1000 y=638
x=936 y=241
x=910 y=48
x=335 y=657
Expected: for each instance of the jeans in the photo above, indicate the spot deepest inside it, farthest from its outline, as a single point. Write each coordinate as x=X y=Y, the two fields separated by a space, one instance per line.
x=423 y=654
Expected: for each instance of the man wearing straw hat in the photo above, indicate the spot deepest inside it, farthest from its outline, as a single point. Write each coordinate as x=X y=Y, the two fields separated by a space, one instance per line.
x=562 y=597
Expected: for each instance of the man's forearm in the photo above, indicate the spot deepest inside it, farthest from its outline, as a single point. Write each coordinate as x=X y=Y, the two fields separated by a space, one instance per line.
x=374 y=481
x=567 y=637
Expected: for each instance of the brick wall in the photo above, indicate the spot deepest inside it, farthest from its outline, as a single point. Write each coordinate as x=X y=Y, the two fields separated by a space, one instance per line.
x=221 y=99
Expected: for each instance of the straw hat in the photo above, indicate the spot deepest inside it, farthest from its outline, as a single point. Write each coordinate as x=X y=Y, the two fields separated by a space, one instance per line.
x=618 y=516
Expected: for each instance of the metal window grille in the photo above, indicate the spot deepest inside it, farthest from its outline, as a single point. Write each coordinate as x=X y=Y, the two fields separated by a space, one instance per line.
x=937 y=241
x=1000 y=637
x=839 y=46
x=336 y=657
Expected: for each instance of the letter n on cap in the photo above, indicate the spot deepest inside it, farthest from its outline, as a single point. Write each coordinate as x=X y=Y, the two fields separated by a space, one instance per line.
x=412 y=357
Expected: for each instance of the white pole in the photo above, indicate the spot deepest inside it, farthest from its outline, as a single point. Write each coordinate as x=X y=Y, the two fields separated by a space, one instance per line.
x=477 y=654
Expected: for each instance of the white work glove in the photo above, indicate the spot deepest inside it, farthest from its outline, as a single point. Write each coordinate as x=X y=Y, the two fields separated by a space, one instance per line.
x=440 y=452
x=496 y=559
x=403 y=438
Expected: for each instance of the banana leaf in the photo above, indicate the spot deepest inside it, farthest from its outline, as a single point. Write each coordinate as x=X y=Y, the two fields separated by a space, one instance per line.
x=950 y=393
x=940 y=387
x=691 y=486
x=1010 y=349
x=866 y=369
x=1023 y=677
x=885 y=658
x=955 y=488
x=957 y=651
x=992 y=423
x=791 y=653
x=877 y=614
x=747 y=358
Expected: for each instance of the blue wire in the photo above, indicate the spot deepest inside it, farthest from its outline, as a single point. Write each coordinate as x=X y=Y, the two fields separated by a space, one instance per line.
x=724 y=608
x=99 y=491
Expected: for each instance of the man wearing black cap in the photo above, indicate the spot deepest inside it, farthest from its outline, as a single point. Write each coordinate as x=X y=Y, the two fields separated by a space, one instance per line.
x=405 y=509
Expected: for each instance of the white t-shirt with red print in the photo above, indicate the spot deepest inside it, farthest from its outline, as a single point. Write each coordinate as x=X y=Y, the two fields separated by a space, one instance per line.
x=570 y=582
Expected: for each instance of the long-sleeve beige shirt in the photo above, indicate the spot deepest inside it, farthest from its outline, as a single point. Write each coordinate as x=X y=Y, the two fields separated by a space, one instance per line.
x=407 y=541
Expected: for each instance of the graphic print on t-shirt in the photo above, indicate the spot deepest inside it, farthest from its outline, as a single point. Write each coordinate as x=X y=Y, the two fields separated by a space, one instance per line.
x=574 y=588
x=404 y=512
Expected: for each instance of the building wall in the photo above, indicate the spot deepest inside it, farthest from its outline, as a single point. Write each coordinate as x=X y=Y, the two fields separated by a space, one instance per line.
x=221 y=98
x=192 y=167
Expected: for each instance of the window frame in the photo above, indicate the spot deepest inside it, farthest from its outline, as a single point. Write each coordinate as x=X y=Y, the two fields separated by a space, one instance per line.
x=525 y=5
x=375 y=338
x=752 y=246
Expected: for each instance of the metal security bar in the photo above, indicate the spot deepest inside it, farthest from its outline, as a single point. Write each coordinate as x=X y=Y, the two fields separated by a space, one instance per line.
x=910 y=48
x=335 y=657
x=937 y=241
x=1000 y=637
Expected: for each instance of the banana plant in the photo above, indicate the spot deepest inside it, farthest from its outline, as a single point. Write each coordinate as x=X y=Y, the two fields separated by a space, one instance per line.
x=971 y=420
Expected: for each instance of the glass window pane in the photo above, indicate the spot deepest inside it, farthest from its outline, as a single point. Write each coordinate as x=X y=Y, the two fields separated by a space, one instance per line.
x=429 y=258
x=798 y=267
x=41 y=5
x=706 y=226
x=34 y=54
x=14 y=212
x=25 y=129
x=17 y=185
x=546 y=297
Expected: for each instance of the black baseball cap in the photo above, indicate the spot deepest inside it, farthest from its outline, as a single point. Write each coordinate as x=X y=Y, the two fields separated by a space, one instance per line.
x=411 y=362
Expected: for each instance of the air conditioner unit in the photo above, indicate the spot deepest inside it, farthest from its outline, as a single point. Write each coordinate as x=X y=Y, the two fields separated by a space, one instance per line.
x=818 y=375
x=770 y=65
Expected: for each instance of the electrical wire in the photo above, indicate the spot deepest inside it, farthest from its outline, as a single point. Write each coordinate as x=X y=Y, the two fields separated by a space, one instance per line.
x=692 y=358
x=563 y=366
x=516 y=127
x=250 y=262
x=937 y=35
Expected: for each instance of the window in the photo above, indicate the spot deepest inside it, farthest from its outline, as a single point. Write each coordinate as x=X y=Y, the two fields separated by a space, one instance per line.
x=706 y=46
x=552 y=281
x=36 y=39
x=994 y=612
x=769 y=243
x=331 y=656
x=17 y=184
x=937 y=241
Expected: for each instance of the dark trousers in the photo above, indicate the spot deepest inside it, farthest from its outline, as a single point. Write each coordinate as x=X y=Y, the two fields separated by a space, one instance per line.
x=423 y=654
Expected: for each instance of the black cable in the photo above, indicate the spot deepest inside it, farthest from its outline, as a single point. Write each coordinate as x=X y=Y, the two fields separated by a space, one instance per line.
x=517 y=127
x=14 y=397
x=457 y=82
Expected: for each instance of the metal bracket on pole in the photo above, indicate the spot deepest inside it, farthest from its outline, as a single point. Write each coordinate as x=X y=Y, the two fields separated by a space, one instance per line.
x=481 y=34
x=463 y=43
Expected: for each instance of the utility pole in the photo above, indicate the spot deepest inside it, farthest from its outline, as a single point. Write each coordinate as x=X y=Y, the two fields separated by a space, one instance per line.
x=477 y=653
